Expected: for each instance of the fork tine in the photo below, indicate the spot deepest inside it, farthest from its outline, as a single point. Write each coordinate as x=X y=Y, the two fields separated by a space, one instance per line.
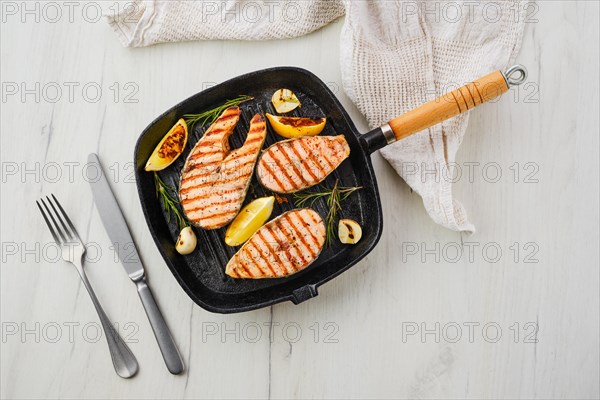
x=48 y=223
x=52 y=230
x=62 y=210
x=67 y=231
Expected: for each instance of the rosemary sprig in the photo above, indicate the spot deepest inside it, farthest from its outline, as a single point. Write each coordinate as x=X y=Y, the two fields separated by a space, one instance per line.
x=169 y=202
x=334 y=198
x=211 y=115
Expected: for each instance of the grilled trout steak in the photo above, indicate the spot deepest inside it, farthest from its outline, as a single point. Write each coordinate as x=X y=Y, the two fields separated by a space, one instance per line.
x=282 y=247
x=214 y=181
x=292 y=165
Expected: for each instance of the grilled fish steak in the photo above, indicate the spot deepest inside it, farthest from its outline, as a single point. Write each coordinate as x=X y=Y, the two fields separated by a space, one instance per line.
x=292 y=165
x=282 y=247
x=215 y=180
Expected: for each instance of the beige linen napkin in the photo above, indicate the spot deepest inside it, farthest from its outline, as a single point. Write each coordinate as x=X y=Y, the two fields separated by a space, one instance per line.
x=395 y=56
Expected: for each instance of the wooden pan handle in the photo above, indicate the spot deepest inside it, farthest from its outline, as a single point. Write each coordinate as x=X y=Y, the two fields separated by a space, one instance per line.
x=444 y=107
x=449 y=105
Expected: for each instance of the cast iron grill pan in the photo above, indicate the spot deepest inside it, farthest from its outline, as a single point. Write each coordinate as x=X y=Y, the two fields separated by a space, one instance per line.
x=202 y=274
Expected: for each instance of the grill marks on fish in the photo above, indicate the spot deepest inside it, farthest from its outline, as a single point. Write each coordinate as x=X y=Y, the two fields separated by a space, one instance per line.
x=282 y=247
x=296 y=164
x=214 y=179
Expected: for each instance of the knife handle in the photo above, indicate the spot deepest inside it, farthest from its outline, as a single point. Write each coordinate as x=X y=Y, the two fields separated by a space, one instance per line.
x=161 y=330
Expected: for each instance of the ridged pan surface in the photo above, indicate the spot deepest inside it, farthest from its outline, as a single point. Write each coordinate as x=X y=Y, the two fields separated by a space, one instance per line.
x=202 y=274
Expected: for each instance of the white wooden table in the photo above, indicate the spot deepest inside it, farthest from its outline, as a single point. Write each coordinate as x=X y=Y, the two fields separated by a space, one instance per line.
x=429 y=313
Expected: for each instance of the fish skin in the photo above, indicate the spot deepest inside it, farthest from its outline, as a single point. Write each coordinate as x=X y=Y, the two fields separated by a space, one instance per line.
x=289 y=166
x=282 y=247
x=215 y=180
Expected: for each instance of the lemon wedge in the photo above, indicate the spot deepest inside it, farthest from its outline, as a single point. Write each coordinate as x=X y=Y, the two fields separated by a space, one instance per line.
x=293 y=127
x=249 y=220
x=349 y=231
x=284 y=100
x=170 y=147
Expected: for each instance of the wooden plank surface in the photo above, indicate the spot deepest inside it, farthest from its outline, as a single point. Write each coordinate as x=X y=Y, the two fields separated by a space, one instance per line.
x=510 y=312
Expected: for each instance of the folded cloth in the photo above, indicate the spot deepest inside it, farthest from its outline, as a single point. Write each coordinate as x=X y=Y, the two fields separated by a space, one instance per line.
x=147 y=22
x=395 y=56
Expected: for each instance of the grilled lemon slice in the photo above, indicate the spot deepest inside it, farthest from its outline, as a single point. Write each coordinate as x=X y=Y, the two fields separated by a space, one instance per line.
x=293 y=127
x=169 y=148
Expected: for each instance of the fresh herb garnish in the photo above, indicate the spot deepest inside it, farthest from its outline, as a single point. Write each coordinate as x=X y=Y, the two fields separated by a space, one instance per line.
x=334 y=198
x=169 y=201
x=211 y=115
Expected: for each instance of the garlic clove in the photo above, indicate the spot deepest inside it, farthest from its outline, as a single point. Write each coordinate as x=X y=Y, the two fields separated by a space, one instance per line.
x=186 y=242
x=349 y=231
x=284 y=101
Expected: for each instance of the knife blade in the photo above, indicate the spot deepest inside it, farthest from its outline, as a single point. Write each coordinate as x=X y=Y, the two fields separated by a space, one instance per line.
x=113 y=221
x=120 y=236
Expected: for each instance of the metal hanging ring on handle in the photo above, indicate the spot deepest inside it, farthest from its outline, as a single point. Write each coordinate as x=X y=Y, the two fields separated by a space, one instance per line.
x=515 y=75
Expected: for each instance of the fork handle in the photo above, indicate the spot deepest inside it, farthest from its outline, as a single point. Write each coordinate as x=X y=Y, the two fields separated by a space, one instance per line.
x=123 y=359
x=161 y=330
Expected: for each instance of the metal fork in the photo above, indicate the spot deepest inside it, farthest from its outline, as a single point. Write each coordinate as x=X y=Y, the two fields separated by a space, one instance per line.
x=72 y=248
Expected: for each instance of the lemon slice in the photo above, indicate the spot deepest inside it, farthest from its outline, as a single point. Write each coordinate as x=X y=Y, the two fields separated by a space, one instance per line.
x=249 y=220
x=293 y=127
x=170 y=147
x=284 y=100
x=349 y=231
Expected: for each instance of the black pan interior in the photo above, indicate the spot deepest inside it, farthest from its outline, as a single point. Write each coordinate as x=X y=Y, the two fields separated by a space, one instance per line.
x=201 y=274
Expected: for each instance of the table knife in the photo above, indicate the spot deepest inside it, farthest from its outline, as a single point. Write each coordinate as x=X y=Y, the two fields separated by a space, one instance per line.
x=119 y=234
